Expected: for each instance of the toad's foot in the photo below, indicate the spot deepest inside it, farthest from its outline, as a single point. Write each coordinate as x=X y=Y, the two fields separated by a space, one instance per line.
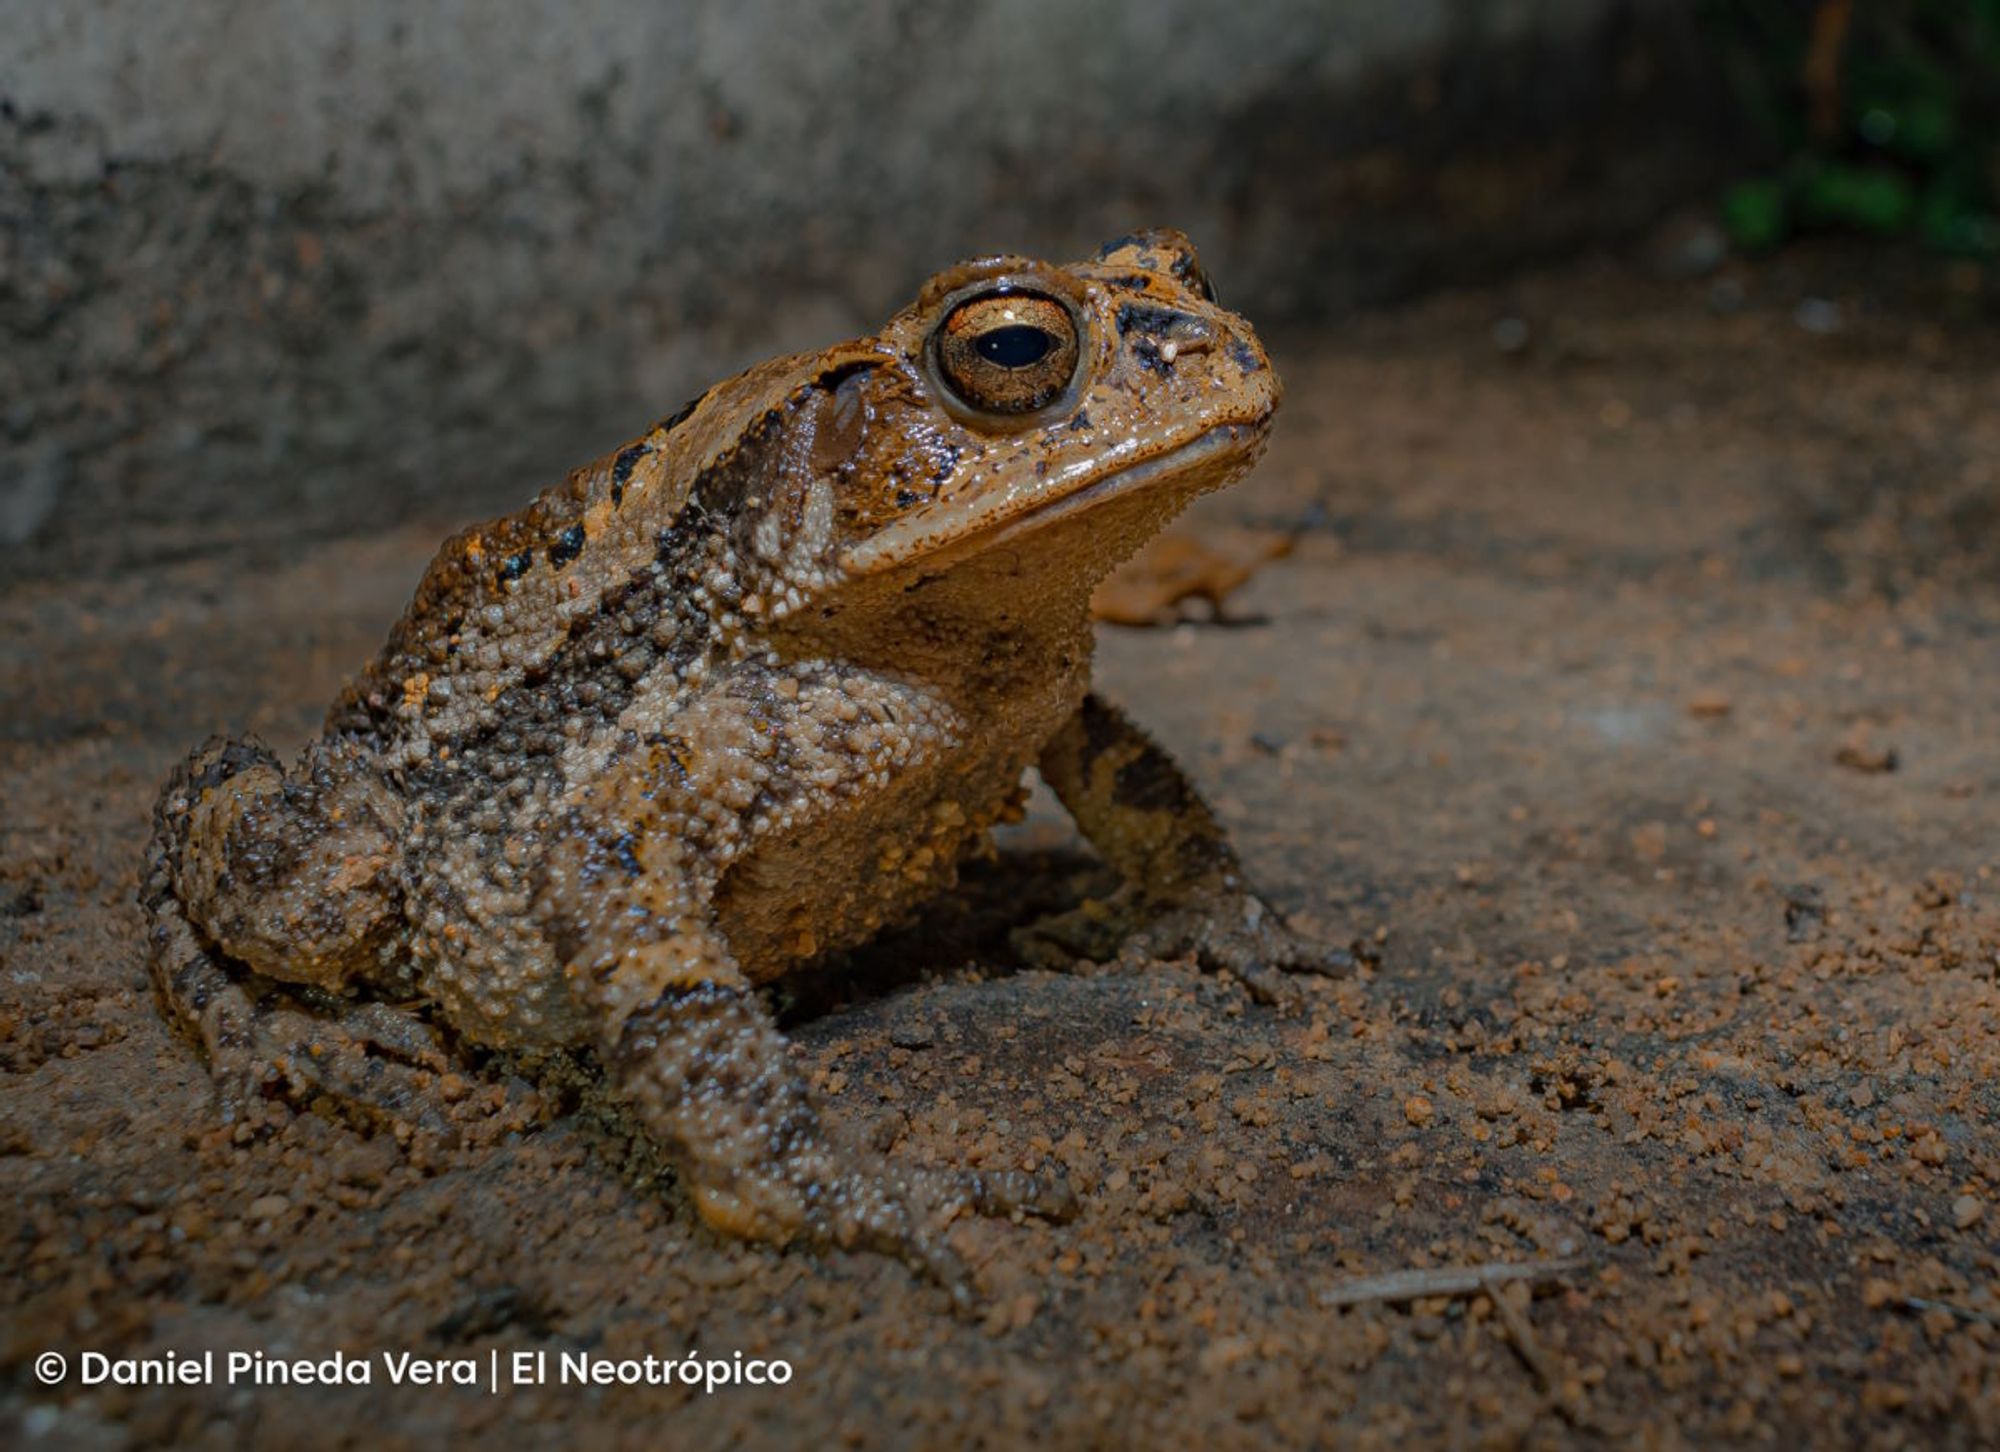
x=369 y=1062
x=1236 y=933
x=824 y=1193
x=1226 y=930
x=709 y=1074
x=1183 y=884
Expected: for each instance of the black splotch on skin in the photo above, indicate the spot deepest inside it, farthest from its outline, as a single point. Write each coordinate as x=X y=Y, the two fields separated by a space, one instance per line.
x=1149 y=320
x=625 y=848
x=834 y=377
x=515 y=566
x=679 y=416
x=1186 y=270
x=622 y=467
x=1151 y=324
x=944 y=462
x=1102 y=729
x=218 y=767
x=566 y=546
x=1150 y=782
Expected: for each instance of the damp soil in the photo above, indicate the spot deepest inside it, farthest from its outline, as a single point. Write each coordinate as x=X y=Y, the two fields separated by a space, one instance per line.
x=1630 y=692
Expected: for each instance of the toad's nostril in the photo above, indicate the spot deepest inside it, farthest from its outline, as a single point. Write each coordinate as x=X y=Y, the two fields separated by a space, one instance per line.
x=1172 y=348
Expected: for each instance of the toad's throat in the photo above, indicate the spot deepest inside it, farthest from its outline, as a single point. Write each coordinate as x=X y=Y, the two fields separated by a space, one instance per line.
x=1205 y=463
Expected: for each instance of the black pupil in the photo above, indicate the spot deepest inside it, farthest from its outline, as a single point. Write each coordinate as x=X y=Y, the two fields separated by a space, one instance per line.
x=1015 y=346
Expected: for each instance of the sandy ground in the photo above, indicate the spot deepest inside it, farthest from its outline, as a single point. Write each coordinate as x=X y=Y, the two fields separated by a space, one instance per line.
x=1632 y=689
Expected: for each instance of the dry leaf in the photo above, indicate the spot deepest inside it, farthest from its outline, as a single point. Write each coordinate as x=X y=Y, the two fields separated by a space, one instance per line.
x=1153 y=586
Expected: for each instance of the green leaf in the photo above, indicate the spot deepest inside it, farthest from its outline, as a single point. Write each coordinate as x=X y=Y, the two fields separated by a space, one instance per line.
x=1869 y=198
x=1755 y=214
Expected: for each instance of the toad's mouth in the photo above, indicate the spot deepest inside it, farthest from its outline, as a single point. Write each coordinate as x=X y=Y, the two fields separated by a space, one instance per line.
x=1204 y=463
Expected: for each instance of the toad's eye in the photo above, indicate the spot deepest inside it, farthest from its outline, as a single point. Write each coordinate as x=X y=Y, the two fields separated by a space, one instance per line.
x=1007 y=352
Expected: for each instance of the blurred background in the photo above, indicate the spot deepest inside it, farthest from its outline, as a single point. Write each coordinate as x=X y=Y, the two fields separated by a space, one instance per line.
x=272 y=270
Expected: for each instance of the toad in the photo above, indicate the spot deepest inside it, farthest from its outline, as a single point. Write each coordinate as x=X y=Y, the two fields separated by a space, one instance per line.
x=735 y=696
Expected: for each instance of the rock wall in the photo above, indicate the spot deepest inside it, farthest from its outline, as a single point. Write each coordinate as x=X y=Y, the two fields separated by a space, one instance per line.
x=269 y=271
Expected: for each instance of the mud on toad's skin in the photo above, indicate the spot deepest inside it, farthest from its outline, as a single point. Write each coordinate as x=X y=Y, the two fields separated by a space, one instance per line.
x=736 y=695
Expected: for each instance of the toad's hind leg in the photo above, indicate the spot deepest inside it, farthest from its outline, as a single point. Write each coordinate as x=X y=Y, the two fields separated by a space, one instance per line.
x=290 y=876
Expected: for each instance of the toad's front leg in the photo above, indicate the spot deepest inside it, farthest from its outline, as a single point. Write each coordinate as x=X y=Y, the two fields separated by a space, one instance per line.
x=709 y=1075
x=690 y=1045
x=1184 y=889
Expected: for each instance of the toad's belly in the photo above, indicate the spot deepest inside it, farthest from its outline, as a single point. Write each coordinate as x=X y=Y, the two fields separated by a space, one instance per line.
x=864 y=865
